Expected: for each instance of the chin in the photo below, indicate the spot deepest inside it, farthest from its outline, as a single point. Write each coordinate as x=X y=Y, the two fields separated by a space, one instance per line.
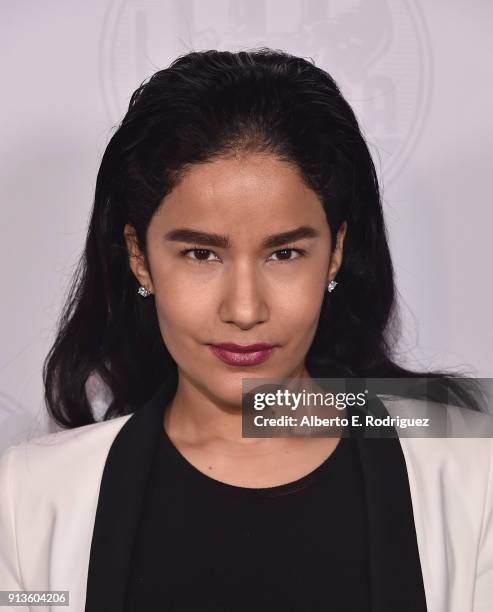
x=228 y=387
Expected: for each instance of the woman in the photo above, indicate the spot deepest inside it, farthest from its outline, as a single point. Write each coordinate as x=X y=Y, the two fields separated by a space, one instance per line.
x=237 y=232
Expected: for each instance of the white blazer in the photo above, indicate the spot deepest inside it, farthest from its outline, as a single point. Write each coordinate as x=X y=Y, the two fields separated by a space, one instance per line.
x=69 y=504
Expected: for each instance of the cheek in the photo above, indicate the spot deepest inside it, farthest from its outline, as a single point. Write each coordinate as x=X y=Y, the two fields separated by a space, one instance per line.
x=301 y=320
x=182 y=309
x=300 y=299
x=298 y=313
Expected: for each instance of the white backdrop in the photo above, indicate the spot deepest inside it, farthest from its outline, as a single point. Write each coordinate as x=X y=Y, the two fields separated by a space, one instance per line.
x=418 y=75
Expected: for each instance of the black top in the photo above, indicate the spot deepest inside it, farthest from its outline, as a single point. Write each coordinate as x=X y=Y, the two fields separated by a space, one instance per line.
x=396 y=580
x=204 y=545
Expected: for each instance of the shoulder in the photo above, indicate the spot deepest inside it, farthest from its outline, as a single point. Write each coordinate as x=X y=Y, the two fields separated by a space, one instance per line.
x=450 y=474
x=453 y=453
x=58 y=458
x=417 y=418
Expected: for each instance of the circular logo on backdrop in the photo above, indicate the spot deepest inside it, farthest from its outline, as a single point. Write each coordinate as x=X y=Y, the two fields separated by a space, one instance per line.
x=378 y=52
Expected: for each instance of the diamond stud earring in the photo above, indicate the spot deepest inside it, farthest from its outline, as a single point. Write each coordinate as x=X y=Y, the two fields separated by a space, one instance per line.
x=331 y=286
x=143 y=291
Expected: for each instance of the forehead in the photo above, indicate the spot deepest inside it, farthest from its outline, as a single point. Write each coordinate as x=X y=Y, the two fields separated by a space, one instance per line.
x=249 y=191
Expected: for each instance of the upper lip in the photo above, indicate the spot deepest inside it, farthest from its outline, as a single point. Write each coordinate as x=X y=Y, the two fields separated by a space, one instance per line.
x=244 y=348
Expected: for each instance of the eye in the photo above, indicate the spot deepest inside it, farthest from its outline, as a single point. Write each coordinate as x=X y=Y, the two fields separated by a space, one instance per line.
x=285 y=254
x=202 y=254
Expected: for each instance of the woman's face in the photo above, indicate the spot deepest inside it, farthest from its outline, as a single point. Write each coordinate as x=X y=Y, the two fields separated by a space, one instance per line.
x=238 y=280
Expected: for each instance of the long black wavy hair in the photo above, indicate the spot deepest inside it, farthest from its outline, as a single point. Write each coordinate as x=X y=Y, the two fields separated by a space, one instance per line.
x=204 y=105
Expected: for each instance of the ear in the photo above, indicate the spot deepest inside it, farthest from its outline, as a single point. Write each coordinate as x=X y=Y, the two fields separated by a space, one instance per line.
x=136 y=258
x=336 y=257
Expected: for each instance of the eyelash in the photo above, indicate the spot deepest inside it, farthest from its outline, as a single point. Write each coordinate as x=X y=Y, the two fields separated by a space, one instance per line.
x=301 y=253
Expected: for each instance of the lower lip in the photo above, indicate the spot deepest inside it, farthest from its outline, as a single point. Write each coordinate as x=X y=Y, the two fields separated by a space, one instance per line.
x=241 y=359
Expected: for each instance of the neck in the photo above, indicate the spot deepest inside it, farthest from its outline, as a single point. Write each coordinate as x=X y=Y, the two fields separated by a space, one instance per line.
x=196 y=417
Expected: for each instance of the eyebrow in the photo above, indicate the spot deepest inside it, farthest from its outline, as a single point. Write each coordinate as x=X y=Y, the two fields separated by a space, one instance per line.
x=185 y=234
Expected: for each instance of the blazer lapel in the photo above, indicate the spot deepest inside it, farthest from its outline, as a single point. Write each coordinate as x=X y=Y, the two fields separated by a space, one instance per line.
x=395 y=572
x=396 y=581
x=120 y=497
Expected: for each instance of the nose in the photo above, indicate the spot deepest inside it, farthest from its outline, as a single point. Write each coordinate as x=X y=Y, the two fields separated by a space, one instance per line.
x=243 y=300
